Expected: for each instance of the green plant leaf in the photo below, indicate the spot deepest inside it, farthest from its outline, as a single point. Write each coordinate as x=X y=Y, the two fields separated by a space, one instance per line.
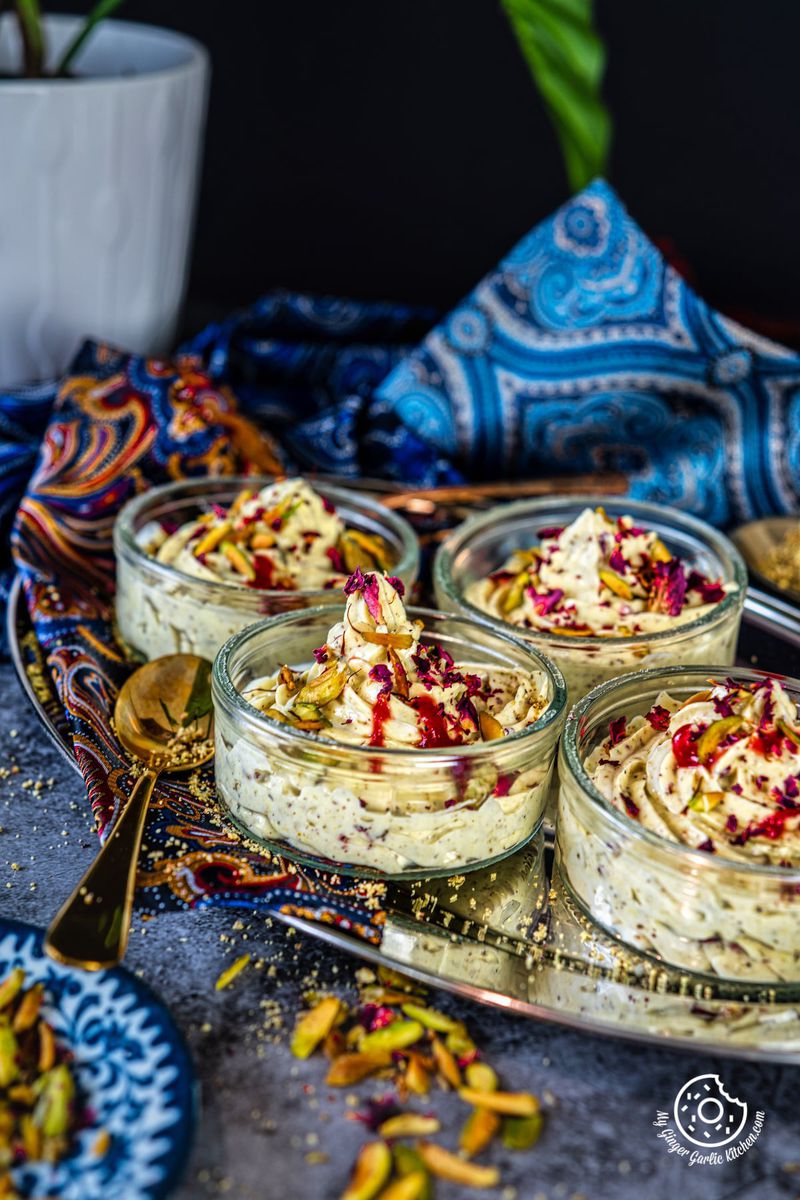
x=567 y=59
x=30 y=24
x=101 y=10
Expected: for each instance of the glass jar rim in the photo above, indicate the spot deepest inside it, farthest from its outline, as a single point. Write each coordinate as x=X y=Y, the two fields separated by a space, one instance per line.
x=407 y=565
x=622 y=824
x=718 y=542
x=221 y=680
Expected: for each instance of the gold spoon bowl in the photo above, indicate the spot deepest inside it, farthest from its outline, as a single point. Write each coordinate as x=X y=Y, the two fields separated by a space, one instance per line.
x=164 y=720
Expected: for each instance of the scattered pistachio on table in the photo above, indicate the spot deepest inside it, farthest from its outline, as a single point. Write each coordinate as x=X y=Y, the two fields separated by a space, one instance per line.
x=392 y=1035
x=37 y=1088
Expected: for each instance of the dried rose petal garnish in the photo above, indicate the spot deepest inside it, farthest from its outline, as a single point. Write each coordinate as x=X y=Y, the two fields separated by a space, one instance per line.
x=658 y=717
x=617 y=730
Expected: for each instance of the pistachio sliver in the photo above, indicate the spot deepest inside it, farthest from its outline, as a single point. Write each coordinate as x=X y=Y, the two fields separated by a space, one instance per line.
x=304 y=711
x=31 y=1138
x=352 y=1068
x=792 y=734
x=479 y=1128
x=414 y=1186
x=481 y=1077
x=389 y=1038
x=697 y=698
x=717 y=731
x=315 y=1025
x=511 y=1104
x=52 y=1111
x=705 y=801
x=212 y=539
x=408 y=1162
x=239 y=559
x=239 y=501
x=11 y=987
x=326 y=687
x=47 y=1047
x=459 y=1042
x=409 y=1125
x=491 y=729
x=449 y=1166
x=615 y=583
x=431 y=1018
x=417 y=1077
x=373 y=544
x=520 y=1133
x=371 y=1171
x=287 y=677
x=446 y=1064
x=397 y=641
x=27 y=1013
x=9 y=1070
x=516 y=591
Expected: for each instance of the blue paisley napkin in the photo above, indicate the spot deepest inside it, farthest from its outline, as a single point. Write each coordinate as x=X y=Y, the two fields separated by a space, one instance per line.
x=583 y=350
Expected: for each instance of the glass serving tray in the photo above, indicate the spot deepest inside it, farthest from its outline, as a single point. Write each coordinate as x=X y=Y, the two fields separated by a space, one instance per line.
x=510 y=935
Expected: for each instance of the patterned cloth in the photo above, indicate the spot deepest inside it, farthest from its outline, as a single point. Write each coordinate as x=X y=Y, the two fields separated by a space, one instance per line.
x=583 y=350
x=120 y=424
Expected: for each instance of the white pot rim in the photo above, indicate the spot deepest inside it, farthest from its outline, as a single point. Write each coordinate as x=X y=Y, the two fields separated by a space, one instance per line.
x=196 y=57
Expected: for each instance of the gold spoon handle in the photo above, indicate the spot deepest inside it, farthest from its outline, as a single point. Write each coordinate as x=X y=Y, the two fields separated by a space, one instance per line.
x=91 y=929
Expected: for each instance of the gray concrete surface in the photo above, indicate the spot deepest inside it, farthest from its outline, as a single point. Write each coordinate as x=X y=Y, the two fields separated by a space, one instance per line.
x=265 y=1120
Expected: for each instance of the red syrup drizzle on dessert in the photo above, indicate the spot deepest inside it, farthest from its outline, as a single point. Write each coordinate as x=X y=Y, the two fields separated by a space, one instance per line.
x=380 y=714
x=435 y=731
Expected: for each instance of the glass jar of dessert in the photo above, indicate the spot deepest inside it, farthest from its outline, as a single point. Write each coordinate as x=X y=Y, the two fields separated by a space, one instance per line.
x=601 y=586
x=393 y=741
x=201 y=559
x=679 y=818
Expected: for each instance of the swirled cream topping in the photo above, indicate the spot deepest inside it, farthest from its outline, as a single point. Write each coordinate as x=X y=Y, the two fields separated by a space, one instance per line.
x=720 y=772
x=284 y=537
x=375 y=683
x=597 y=577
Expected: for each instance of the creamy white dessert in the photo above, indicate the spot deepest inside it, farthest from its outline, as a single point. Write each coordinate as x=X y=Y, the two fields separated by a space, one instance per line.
x=719 y=773
x=284 y=538
x=601 y=578
x=376 y=684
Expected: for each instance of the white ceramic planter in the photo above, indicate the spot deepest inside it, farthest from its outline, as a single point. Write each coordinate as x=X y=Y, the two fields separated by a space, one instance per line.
x=98 y=181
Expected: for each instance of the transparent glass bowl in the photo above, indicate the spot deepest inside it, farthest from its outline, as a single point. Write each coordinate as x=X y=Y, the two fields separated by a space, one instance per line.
x=690 y=909
x=483 y=543
x=392 y=813
x=161 y=610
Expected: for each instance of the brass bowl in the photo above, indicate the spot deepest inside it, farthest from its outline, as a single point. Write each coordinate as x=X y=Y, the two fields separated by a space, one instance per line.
x=755 y=540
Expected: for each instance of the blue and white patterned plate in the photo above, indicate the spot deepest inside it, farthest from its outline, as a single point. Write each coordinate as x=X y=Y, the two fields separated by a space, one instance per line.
x=133 y=1072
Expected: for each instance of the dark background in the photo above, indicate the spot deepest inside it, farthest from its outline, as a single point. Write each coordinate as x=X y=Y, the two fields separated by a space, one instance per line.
x=397 y=150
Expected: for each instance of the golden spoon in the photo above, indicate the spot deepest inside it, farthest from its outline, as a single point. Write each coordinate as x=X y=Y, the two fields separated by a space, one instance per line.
x=163 y=718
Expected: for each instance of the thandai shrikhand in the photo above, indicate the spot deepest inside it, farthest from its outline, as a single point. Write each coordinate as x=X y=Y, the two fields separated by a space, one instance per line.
x=284 y=537
x=191 y=584
x=375 y=684
x=609 y=597
x=379 y=683
x=718 y=773
x=597 y=577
